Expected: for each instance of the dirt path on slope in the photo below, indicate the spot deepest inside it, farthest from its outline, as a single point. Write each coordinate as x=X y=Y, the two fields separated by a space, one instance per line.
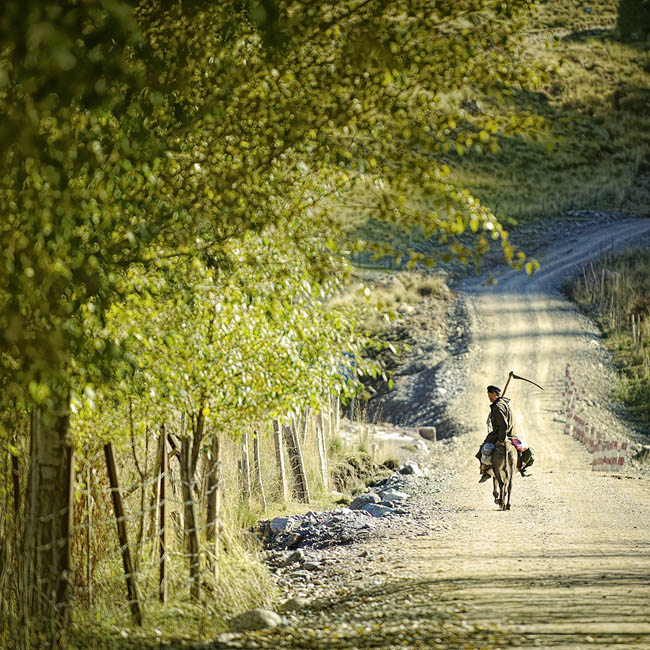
x=568 y=567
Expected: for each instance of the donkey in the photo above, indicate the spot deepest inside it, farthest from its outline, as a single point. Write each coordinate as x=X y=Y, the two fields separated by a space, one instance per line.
x=504 y=466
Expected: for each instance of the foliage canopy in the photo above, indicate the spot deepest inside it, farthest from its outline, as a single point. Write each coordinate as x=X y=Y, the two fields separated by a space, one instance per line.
x=136 y=133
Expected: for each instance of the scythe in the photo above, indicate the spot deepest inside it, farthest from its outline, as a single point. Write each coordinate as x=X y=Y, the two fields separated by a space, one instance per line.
x=512 y=375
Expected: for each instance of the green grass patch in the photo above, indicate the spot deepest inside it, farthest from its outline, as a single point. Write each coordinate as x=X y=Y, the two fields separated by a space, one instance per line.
x=615 y=291
x=596 y=152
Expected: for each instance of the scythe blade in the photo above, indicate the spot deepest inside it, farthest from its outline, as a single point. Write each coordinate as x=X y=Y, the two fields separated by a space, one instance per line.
x=530 y=381
x=511 y=375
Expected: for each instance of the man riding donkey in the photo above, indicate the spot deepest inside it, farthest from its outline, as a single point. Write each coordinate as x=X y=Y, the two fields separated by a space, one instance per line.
x=500 y=425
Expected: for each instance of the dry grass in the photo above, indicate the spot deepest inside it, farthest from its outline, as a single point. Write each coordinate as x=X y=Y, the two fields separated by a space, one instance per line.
x=385 y=296
x=243 y=580
x=615 y=291
x=596 y=153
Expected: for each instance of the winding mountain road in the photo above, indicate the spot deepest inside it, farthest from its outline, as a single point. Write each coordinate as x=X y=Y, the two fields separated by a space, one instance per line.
x=569 y=566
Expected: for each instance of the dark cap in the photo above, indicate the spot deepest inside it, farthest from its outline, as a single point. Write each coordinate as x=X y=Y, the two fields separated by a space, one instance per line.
x=494 y=389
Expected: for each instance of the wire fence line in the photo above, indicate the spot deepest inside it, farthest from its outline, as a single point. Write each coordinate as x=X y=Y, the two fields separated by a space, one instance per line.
x=146 y=526
x=606 y=453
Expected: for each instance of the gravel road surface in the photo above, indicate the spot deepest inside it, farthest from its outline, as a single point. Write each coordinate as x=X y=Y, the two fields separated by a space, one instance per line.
x=568 y=567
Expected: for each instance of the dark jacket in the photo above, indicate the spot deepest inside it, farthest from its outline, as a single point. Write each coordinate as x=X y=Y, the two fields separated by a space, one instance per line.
x=501 y=419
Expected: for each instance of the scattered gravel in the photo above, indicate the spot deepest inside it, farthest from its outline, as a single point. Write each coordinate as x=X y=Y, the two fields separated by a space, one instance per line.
x=348 y=578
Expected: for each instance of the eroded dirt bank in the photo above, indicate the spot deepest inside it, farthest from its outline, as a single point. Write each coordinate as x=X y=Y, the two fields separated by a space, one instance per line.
x=568 y=567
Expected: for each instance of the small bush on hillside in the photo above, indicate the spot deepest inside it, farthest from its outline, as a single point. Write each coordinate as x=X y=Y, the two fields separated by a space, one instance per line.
x=634 y=19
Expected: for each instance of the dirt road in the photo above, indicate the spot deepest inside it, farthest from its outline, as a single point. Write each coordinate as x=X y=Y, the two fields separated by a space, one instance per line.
x=568 y=567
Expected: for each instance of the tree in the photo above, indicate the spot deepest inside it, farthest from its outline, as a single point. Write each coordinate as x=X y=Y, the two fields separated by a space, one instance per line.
x=138 y=133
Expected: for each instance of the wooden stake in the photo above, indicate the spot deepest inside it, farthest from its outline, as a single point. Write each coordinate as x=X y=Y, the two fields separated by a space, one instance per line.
x=279 y=460
x=245 y=468
x=214 y=502
x=89 y=521
x=15 y=475
x=258 y=467
x=337 y=412
x=297 y=463
x=118 y=507
x=162 y=506
x=191 y=521
x=322 y=451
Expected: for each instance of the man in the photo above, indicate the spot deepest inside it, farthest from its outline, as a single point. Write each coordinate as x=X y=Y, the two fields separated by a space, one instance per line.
x=500 y=426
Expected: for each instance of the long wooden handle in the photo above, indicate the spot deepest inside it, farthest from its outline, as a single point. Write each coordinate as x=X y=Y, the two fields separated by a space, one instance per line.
x=505 y=388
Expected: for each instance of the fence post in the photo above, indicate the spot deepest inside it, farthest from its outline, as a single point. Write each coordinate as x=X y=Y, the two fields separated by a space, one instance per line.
x=214 y=503
x=118 y=507
x=257 y=460
x=336 y=408
x=322 y=451
x=162 y=506
x=279 y=459
x=15 y=476
x=245 y=467
x=297 y=463
x=191 y=521
x=89 y=506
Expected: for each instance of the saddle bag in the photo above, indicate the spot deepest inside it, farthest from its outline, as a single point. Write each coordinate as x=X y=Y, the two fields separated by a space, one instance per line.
x=519 y=444
x=527 y=457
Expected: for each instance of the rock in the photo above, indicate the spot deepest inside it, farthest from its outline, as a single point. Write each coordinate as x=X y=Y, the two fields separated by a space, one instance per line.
x=377 y=510
x=411 y=467
x=293 y=540
x=296 y=556
x=226 y=637
x=428 y=433
x=254 y=619
x=643 y=456
x=340 y=498
x=294 y=605
x=364 y=499
x=420 y=445
x=311 y=565
x=283 y=524
x=394 y=495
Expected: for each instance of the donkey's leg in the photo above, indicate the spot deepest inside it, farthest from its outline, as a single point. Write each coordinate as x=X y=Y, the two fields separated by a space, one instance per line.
x=495 y=488
x=500 y=496
x=511 y=464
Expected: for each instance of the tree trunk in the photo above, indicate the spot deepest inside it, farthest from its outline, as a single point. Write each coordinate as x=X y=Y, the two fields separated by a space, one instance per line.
x=47 y=544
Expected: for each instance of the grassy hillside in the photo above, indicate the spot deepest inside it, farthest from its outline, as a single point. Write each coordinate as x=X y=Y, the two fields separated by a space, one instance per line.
x=596 y=153
x=615 y=291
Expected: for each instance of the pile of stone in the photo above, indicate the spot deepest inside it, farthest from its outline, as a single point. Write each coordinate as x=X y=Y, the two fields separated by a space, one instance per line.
x=319 y=530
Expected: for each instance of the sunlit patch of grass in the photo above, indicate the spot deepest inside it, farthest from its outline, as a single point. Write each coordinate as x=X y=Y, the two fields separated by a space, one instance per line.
x=388 y=295
x=242 y=582
x=596 y=153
